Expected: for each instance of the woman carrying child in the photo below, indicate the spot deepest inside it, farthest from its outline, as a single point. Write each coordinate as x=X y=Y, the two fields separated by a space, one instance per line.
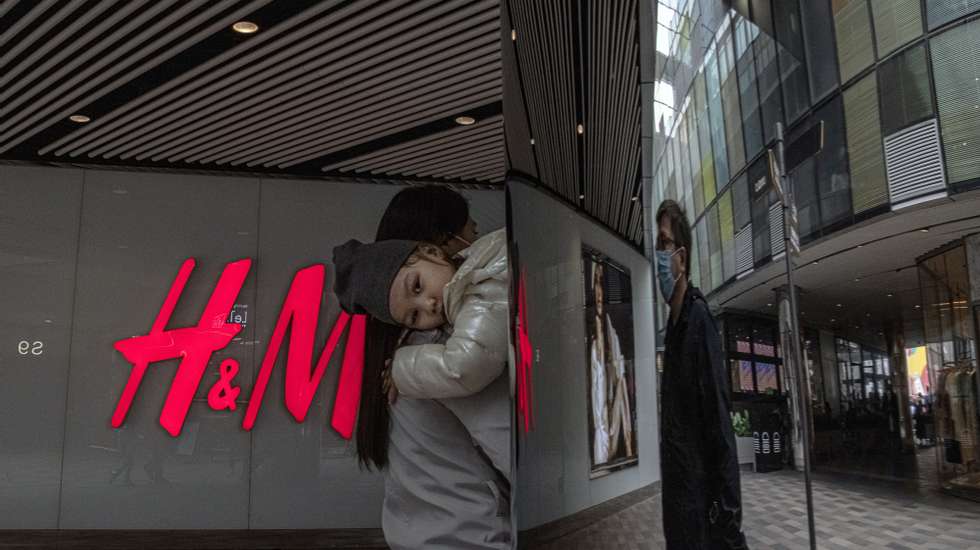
x=444 y=444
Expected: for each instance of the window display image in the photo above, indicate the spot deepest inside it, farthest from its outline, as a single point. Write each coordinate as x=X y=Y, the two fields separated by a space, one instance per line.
x=612 y=389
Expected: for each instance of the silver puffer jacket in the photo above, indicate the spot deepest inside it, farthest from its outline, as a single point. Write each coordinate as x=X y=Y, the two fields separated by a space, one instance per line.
x=476 y=300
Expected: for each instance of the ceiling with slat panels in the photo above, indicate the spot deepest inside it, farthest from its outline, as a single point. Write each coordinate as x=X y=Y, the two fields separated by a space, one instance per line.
x=169 y=85
x=439 y=155
x=578 y=63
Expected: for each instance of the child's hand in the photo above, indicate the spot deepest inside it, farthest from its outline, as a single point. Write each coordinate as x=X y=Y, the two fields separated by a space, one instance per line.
x=387 y=385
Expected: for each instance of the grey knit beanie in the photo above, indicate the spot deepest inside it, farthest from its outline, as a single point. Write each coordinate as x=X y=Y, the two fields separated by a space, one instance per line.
x=365 y=273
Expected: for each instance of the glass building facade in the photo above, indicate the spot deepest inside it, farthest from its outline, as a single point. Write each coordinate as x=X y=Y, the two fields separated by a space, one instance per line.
x=895 y=82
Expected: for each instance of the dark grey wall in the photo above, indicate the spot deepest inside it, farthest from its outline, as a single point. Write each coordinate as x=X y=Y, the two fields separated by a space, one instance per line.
x=553 y=468
x=87 y=258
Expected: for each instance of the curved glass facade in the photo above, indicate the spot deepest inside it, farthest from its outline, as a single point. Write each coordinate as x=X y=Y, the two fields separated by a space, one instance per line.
x=896 y=82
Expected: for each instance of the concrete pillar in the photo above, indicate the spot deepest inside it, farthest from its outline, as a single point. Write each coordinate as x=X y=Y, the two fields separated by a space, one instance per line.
x=797 y=413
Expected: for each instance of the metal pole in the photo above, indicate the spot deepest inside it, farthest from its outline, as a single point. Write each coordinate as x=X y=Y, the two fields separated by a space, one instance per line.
x=802 y=382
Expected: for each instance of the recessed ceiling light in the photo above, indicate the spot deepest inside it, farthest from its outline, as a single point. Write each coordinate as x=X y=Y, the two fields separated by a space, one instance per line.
x=815 y=262
x=924 y=230
x=580 y=129
x=532 y=141
x=581 y=197
x=869 y=315
x=245 y=27
x=81 y=119
x=513 y=34
x=917 y=306
x=857 y=279
x=890 y=294
x=636 y=199
x=860 y=245
x=833 y=320
x=838 y=305
x=768 y=305
x=465 y=120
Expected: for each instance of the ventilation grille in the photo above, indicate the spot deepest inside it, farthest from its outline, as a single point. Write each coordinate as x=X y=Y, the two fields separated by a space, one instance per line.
x=743 y=250
x=914 y=163
x=776 y=229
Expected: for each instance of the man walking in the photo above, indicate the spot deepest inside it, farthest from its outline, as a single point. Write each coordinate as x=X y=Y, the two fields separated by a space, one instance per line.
x=702 y=506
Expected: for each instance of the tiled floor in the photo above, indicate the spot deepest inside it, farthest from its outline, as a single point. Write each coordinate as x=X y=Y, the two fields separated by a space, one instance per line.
x=850 y=514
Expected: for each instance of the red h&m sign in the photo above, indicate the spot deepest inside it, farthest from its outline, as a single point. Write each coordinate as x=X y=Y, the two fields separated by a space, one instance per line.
x=195 y=345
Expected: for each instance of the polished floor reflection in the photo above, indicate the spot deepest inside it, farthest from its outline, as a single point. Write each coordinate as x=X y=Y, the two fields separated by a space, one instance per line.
x=851 y=513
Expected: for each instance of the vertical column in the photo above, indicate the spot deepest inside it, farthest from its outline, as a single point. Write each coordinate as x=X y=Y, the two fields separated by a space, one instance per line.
x=797 y=412
x=895 y=342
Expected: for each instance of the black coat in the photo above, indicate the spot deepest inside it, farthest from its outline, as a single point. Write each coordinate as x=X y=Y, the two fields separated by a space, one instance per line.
x=702 y=502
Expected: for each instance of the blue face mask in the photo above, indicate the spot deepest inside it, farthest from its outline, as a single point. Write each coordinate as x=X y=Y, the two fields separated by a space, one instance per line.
x=665 y=273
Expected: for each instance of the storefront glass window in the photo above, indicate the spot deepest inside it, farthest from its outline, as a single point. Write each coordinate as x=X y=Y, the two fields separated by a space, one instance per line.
x=716 y=118
x=905 y=95
x=952 y=362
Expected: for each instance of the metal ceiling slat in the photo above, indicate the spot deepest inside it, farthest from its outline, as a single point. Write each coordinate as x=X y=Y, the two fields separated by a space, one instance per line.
x=182 y=102
x=440 y=108
x=568 y=129
x=394 y=156
x=454 y=166
x=293 y=115
x=209 y=70
x=479 y=152
x=39 y=51
x=614 y=152
x=79 y=53
x=629 y=111
x=316 y=53
x=41 y=30
x=191 y=147
x=65 y=97
x=298 y=101
x=388 y=158
x=496 y=173
x=489 y=165
x=469 y=152
x=320 y=149
x=26 y=20
x=263 y=148
x=6 y=5
x=436 y=141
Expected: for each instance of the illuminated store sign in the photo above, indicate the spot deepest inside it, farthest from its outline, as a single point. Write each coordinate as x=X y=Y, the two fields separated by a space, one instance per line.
x=524 y=358
x=195 y=345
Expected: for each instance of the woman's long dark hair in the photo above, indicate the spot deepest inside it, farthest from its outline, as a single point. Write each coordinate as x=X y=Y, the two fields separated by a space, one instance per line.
x=428 y=213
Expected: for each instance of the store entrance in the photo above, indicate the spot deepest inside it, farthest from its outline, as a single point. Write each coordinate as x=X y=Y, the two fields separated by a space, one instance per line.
x=950 y=413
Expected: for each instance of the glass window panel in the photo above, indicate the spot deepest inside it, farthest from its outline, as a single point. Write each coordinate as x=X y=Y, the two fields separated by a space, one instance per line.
x=716 y=118
x=897 y=22
x=694 y=159
x=766 y=376
x=939 y=12
x=726 y=225
x=704 y=134
x=714 y=246
x=854 y=47
x=763 y=341
x=759 y=186
x=807 y=199
x=821 y=56
x=796 y=91
x=704 y=255
x=956 y=70
x=730 y=107
x=770 y=98
x=832 y=176
x=746 y=382
x=905 y=94
x=748 y=90
x=864 y=142
x=741 y=211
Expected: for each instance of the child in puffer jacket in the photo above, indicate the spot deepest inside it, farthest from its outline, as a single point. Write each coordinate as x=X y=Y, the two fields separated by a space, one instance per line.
x=414 y=285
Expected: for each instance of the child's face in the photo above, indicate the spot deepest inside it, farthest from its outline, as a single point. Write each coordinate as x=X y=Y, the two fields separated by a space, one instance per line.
x=415 y=297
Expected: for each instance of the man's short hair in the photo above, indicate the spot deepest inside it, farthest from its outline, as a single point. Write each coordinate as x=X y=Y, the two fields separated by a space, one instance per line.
x=679 y=226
